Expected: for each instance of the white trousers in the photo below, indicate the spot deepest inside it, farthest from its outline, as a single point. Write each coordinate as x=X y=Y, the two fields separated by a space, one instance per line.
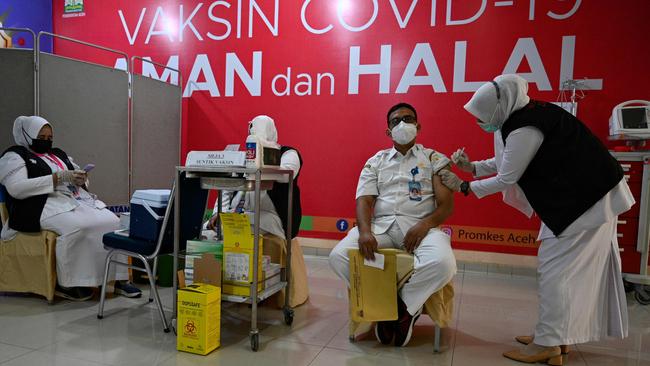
x=80 y=253
x=434 y=262
x=581 y=294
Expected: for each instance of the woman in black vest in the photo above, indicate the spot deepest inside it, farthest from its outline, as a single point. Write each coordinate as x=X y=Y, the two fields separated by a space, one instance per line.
x=548 y=162
x=273 y=205
x=46 y=191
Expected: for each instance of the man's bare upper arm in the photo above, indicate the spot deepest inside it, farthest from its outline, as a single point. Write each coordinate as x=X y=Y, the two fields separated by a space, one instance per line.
x=369 y=199
x=444 y=196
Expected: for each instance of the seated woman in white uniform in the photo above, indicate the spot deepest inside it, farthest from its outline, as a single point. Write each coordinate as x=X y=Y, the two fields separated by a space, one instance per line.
x=47 y=191
x=273 y=205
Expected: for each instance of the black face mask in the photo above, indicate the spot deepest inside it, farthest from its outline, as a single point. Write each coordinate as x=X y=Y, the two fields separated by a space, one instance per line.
x=41 y=146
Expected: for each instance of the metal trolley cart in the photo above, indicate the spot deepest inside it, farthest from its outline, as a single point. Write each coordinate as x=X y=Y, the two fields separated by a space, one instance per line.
x=633 y=228
x=240 y=179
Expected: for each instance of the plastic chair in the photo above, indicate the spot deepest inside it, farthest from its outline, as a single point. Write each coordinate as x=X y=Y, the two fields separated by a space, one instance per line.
x=27 y=262
x=192 y=208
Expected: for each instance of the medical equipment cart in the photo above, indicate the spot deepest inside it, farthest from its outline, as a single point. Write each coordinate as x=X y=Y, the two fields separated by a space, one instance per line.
x=241 y=179
x=633 y=227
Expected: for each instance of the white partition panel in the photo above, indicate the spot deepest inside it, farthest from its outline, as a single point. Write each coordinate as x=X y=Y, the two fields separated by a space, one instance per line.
x=155 y=132
x=17 y=84
x=87 y=105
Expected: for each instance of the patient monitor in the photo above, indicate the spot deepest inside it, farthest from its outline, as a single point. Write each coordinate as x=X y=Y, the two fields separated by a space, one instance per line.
x=631 y=119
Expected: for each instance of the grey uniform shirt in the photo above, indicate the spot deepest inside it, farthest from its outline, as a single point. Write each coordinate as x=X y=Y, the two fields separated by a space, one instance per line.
x=387 y=174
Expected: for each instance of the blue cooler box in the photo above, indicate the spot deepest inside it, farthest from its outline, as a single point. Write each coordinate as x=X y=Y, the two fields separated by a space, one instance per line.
x=147 y=212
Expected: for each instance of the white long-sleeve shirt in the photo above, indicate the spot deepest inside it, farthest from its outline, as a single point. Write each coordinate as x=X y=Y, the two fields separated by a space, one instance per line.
x=269 y=220
x=13 y=175
x=520 y=149
x=510 y=163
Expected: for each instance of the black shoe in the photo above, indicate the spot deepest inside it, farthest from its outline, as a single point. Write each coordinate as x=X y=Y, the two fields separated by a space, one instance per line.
x=73 y=293
x=385 y=331
x=404 y=323
x=125 y=288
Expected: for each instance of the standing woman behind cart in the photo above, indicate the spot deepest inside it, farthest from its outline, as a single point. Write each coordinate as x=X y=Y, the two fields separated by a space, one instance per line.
x=547 y=161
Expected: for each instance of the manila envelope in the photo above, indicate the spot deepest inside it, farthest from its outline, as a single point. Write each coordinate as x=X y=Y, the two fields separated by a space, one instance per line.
x=373 y=291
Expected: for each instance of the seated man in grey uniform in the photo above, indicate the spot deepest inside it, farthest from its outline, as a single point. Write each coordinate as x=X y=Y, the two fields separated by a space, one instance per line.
x=400 y=204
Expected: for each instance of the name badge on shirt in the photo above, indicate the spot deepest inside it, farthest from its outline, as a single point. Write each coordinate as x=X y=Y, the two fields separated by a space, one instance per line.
x=415 y=188
x=75 y=191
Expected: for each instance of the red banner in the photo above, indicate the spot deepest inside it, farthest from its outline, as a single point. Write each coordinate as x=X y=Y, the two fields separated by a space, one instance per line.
x=327 y=71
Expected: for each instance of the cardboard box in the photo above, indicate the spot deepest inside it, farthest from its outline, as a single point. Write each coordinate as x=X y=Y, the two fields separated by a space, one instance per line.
x=373 y=291
x=270 y=274
x=207 y=269
x=195 y=249
x=274 y=248
x=266 y=260
x=199 y=309
x=238 y=263
x=272 y=281
x=238 y=243
x=271 y=270
x=241 y=290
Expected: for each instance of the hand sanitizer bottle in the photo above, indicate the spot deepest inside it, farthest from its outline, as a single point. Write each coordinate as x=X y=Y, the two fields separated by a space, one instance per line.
x=252 y=155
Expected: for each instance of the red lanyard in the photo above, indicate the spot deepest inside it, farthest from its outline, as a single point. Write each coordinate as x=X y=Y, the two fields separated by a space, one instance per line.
x=54 y=159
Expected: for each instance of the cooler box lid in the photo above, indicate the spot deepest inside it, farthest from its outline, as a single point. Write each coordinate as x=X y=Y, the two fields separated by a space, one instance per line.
x=152 y=195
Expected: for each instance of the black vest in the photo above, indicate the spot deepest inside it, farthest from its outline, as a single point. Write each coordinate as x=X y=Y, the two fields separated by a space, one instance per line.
x=571 y=171
x=280 y=194
x=25 y=214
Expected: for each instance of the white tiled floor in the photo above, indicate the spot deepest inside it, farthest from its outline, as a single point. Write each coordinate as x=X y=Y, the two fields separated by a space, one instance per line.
x=490 y=309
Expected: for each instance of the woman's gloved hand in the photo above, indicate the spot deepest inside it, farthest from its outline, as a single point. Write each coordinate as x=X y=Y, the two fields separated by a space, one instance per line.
x=461 y=160
x=450 y=180
x=76 y=177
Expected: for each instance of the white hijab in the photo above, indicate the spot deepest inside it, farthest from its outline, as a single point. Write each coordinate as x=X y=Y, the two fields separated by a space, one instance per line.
x=513 y=95
x=264 y=128
x=26 y=129
x=484 y=105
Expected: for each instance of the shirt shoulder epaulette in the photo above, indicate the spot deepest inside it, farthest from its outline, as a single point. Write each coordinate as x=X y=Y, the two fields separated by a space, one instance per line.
x=438 y=159
x=374 y=160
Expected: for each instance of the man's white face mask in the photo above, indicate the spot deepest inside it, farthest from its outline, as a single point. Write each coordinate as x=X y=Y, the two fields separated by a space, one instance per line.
x=404 y=133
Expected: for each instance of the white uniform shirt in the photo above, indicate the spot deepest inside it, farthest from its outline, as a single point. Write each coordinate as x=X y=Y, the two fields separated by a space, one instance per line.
x=269 y=220
x=13 y=175
x=510 y=163
x=387 y=174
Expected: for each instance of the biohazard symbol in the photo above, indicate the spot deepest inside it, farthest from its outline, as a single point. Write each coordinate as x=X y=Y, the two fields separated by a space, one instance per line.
x=190 y=328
